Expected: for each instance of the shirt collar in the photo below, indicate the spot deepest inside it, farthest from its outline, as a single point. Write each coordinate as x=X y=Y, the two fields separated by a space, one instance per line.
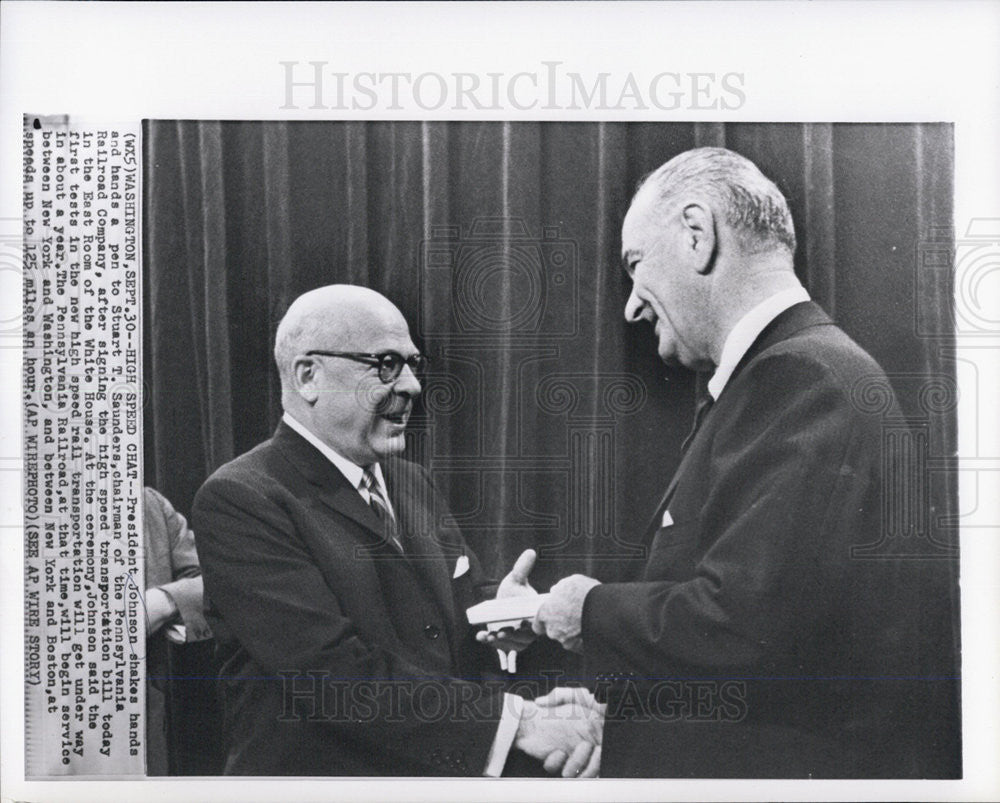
x=746 y=331
x=352 y=471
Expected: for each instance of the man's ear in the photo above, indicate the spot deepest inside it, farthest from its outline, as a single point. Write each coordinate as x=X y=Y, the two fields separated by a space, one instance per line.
x=304 y=379
x=699 y=235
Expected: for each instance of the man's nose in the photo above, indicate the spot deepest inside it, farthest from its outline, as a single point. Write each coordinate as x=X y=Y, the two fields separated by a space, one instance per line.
x=634 y=308
x=407 y=382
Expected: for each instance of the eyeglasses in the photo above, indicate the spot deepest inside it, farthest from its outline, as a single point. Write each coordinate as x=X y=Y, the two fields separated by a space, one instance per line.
x=389 y=363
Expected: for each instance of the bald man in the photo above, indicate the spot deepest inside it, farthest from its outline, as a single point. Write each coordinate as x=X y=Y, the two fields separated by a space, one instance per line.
x=755 y=641
x=336 y=595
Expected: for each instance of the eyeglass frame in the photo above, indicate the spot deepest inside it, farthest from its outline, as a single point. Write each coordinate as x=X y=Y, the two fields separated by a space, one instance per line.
x=417 y=363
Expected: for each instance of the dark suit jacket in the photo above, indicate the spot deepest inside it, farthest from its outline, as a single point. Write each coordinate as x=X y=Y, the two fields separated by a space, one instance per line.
x=341 y=657
x=753 y=644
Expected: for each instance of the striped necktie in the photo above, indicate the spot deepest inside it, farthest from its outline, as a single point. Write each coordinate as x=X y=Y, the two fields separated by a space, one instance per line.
x=376 y=501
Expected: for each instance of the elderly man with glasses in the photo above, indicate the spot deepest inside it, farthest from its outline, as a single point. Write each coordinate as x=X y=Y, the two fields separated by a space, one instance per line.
x=337 y=595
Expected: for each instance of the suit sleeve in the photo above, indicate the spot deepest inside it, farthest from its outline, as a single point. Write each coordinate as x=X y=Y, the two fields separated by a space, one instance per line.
x=267 y=589
x=185 y=589
x=791 y=469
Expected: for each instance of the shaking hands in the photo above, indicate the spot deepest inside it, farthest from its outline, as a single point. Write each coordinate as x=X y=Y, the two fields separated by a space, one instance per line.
x=564 y=728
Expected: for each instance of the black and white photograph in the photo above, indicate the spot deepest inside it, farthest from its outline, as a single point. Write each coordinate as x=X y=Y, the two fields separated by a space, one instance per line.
x=762 y=588
x=554 y=426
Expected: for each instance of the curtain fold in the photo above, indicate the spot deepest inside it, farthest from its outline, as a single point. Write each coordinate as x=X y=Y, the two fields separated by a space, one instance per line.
x=274 y=154
x=215 y=318
x=818 y=233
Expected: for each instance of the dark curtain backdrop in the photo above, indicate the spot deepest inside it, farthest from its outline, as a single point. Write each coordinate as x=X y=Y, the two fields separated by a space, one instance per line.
x=546 y=421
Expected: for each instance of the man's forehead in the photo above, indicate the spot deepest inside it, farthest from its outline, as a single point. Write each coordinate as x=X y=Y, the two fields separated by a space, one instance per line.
x=378 y=332
x=635 y=226
x=649 y=216
x=630 y=247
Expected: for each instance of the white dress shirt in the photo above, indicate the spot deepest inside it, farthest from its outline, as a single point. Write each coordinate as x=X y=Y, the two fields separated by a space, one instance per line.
x=513 y=705
x=747 y=330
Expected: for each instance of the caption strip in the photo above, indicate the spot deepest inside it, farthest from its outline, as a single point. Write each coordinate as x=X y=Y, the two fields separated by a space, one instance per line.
x=84 y=631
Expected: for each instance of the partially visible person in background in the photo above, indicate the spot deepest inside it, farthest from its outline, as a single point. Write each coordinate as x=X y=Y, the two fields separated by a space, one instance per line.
x=174 y=612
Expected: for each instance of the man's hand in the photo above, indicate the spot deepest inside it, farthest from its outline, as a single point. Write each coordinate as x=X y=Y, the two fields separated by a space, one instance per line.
x=566 y=736
x=160 y=609
x=570 y=694
x=561 y=696
x=514 y=584
x=560 y=616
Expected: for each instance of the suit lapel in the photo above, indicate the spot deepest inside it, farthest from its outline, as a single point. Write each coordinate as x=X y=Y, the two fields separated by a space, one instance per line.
x=410 y=495
x=332 y=487
x=410 y=498
x=794 y=319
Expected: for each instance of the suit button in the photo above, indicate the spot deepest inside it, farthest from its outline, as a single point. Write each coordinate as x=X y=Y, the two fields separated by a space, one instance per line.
x=432 y=632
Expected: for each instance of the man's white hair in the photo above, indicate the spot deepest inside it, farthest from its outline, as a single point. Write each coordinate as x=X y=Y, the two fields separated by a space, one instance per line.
x=751 y=203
